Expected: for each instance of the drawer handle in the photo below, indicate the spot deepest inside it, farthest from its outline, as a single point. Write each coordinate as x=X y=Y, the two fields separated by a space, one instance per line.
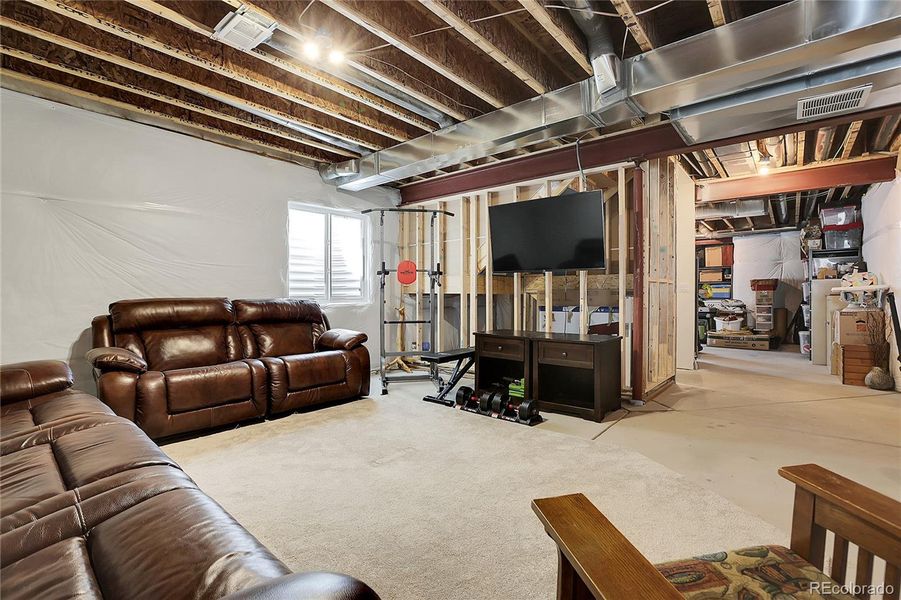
x=499 y=348
x=564 y=355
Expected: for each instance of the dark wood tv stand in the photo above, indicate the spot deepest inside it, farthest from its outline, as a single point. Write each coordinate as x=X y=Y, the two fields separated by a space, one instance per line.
x=566 y=372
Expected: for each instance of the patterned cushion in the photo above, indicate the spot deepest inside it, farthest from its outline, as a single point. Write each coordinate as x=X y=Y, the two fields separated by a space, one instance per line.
x=759 y=573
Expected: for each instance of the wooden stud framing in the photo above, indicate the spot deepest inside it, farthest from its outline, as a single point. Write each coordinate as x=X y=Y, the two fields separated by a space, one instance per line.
x=584 y=315
x=473 y=267
x=548 y=302
x=489 y=269
x=802 y=146
x=464 y=271
x=441 y=241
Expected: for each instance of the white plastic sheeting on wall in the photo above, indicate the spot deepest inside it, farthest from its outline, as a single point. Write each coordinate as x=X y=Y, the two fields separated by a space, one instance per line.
x=96 y=209
x=769 y=256
x=882 y=244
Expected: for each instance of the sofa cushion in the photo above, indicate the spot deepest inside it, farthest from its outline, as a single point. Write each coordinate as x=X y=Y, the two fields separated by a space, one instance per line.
x=280 y=339
x=71 y=575
x=186 y=347
x=317 y=369
x=29 y=476
x=749 y=573
x=201 y=387
x=169 y=313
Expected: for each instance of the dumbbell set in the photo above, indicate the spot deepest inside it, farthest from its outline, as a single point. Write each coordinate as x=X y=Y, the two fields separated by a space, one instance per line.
x=497 y=402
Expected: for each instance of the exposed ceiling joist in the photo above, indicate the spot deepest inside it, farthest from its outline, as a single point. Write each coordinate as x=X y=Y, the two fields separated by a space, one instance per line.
x=296 y=68
x=148 y=113
x=498 y=39
x=115 y=50
x=825 y=135
x=883 y=136
x=717 y=14
x=862 y=171
x=802 y=147
x=443 y=53
x=850 y=139
x=562 y=28
x=639 y=27
x=715 y=161
x=30 y=49
x=152 y=31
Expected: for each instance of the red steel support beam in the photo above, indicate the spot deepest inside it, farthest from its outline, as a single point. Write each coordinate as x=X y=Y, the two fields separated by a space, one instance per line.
x=638 y=367
x=860 y=172
x=650 y=142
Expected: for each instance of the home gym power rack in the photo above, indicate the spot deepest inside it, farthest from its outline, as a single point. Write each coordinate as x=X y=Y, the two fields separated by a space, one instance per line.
x=434 y=274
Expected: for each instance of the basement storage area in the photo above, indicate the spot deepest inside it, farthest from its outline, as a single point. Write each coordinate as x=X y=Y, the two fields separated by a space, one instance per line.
x=492 y=284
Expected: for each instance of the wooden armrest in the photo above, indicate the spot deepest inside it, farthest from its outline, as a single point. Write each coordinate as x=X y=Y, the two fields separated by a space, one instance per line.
x=591 y=548
x=856 y=499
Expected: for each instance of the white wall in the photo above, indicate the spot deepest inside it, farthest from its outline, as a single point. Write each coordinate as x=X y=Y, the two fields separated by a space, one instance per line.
x=96 y=209
x=881 y=211
x=769 y=256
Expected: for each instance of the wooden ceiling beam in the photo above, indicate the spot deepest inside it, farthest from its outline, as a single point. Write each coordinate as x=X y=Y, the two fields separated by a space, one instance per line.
x=497 y=38
x=391 y=66
x=69 y=89
x=79 y=37
x=825 y=135
x=440 y=51
x=802 y=147
x=294 y=67
x=717 y=14
x=563 y=29
x=884 y=130
x=30 y=49
x=153 y=32
x=850 y=139
x=715 y=161
x=641 y=28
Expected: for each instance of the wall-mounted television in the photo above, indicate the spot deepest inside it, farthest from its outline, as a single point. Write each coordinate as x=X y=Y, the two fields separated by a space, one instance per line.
x=562 y=233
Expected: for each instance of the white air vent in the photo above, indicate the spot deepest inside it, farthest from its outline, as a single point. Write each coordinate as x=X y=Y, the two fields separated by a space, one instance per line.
x=833 y=103
x=244 y=30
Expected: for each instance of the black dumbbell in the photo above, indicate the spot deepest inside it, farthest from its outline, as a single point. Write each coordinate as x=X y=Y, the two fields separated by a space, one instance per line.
x=464 y=395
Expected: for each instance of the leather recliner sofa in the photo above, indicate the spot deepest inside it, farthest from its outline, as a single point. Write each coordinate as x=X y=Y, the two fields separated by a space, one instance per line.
x=90 y=507
x=186 y=364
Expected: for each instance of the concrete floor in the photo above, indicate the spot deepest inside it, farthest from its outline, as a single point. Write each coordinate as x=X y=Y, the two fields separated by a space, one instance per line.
x=730 y=425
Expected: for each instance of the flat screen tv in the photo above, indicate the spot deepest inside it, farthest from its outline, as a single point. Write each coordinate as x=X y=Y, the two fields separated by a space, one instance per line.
x=552 y=234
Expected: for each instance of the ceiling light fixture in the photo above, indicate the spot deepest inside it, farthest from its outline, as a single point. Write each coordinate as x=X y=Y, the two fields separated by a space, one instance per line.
x=336 y=57
x=311 y=50
x=764 y=166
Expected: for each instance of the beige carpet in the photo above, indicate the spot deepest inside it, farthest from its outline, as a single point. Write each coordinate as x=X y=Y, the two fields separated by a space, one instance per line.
x=422 y=501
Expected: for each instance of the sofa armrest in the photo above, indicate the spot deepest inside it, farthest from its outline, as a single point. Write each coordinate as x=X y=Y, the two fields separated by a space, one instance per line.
x=308 y=586
x=341 y=339
x=26 y=380
x=116 y=359
x=596 y=560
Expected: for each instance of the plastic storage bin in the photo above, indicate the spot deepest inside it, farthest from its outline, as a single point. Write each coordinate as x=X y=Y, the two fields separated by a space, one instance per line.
x=805 y=309
x=804 y=337
x=841 y=237
x=841 y=215
x=723 y=325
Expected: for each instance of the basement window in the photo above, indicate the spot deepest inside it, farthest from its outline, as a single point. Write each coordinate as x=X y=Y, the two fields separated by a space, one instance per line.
x=326 y=255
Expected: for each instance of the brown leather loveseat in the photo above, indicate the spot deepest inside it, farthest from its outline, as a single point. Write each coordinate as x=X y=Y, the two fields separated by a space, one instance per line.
x=174 y=365
x=90 y=507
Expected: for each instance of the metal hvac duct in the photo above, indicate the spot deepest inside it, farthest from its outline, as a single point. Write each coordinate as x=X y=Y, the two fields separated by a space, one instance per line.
x=736 y=209
x=741 y=78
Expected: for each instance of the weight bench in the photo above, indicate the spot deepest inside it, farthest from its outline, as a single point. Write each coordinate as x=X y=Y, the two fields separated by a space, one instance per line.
x=465 y=358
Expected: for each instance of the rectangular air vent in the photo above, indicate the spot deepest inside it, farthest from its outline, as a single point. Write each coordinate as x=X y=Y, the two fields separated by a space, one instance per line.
x=833 y=103
x=244 y=30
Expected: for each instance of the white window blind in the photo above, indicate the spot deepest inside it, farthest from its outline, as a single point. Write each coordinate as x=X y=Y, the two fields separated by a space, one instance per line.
x=327 y=251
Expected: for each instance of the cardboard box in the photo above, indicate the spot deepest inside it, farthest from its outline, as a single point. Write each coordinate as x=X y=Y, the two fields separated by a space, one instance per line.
x=744 y=341
x=709 y=276
x=853 y=326
x=713 y=256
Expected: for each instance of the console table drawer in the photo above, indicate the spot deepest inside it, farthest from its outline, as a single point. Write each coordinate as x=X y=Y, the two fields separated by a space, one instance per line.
x=566 y=355
x=502 y=348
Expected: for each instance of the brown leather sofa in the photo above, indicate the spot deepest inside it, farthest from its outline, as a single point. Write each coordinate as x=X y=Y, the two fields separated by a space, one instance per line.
x=174 y=365
x=90 y=507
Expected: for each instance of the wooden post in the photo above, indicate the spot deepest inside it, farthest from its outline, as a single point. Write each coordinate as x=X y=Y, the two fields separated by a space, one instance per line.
x=440 y=235
x=583 y=303
x=464 y=272
x=419 y=240
x=473 y=268
x=548 y=301
x=517 y=301
x=638 y=287
x=489 y=270
x=622 y=255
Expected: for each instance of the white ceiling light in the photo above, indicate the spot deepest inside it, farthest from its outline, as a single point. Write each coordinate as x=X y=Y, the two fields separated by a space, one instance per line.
x=336 y=57
x=311 y=50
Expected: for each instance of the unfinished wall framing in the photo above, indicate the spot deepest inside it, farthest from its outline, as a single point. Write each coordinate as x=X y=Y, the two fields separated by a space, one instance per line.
x=472 y=298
